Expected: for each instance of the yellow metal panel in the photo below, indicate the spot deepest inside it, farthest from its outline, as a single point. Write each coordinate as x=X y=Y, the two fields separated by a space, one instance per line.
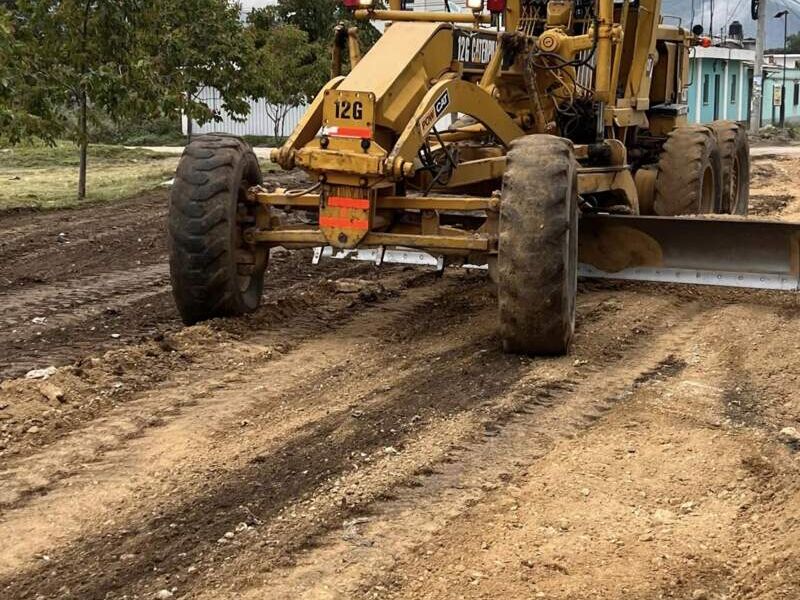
x=345 y=215
x=306 y=130
x=394 y=52
x=450 y=96
x=475 y=171
x=438 y=203
x=399 y=69
x=339 y=161
x=347 y=109
x=427 y=241
x=459 y=203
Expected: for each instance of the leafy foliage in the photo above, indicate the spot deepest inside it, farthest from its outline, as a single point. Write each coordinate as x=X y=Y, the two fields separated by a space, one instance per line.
x=193 y=44
x=288 y=69
x=292 y=42
x=82 y=60
x=68 y=67
x=25 y=109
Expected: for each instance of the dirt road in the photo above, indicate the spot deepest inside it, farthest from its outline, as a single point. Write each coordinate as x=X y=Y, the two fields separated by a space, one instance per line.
x=375 y=443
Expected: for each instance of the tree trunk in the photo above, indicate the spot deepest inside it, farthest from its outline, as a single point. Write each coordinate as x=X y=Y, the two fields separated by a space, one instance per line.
x=189 y=123
x=84 y=146
x=278 y=122
x=83 y=134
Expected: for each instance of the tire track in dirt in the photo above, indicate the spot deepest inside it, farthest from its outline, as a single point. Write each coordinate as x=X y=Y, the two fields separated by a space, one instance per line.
x=81 y=315
x=324 y=409
x=98 y=250
x=700 y=525
x=85 y=241
x=415 y=397
x=400 y=314
x=549 y=403
x=298 y=323
x=442 y=446
x=297 y=305
x=67 y=300
x=68 y=266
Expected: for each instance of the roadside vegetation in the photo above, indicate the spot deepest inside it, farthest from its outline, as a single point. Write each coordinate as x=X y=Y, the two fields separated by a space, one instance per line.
x=43 y=177
x=128 y=81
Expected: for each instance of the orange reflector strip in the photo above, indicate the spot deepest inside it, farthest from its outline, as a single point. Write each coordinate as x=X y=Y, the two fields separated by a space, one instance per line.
x=340 y=223
x=343 y=202
x=349 y=132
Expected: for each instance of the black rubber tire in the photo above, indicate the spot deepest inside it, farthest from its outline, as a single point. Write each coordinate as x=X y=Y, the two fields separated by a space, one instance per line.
x=689 y=180
x=734 y=150
x=537 y=263
x=213 y=272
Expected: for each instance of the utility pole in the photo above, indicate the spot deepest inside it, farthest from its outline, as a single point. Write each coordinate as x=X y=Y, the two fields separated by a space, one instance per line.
x=784 y=14
x=711 y=22
x=760 y=12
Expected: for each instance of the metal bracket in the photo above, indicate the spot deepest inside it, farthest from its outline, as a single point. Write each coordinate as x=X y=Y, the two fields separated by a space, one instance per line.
x=762 y=281
x=381 y=255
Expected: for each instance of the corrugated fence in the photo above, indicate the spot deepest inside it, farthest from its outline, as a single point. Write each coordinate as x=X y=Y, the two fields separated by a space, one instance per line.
x=258 y=122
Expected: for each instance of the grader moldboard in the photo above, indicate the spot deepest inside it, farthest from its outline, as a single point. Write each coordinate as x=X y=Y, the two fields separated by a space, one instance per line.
x=491 y=137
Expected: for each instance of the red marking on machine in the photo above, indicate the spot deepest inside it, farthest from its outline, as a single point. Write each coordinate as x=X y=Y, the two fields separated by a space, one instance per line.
x=364 y=133
x=342 y=202
x=340 y=223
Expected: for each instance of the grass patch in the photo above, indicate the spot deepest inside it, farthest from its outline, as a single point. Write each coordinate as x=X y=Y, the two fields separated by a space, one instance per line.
x=38 y=176
x=64 y=154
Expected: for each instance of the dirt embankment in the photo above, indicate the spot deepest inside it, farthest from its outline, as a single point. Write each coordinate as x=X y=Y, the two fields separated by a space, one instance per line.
x=375 y=443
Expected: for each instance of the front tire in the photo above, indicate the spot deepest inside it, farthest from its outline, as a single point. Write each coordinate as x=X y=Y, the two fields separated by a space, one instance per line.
x=537 y=263
x=214 y=273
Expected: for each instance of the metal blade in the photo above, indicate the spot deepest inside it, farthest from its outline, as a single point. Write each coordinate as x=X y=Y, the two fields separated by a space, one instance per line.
x=725 y=251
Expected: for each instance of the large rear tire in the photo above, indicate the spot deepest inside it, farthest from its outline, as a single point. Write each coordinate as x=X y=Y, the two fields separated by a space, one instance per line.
x=735 y=155
x=214 y=272
x=537 y=263
x=689 y=180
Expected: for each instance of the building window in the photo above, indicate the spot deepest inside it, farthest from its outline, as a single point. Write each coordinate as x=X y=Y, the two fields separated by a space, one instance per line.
x=734 y=88
x=706 y=88
x=796 y=93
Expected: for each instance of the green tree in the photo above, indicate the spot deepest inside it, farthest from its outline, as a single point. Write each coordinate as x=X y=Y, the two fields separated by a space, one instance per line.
x=318 y=18
x=288 y=70
x=128 y=59
x=84 y=54
x=292 y=43
x=25 y=110
x=199 y=44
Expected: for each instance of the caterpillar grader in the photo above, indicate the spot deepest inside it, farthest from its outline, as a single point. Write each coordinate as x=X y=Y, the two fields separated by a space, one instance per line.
x=542 y=140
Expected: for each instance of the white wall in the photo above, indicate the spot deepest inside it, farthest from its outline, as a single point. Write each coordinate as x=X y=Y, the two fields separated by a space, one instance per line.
x=257 y=122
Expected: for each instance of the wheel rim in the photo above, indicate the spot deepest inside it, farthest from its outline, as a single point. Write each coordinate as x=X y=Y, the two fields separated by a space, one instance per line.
x=249 y=258
x=735 y=185
x=571 y=257
x=707 y=199
x=572 y=267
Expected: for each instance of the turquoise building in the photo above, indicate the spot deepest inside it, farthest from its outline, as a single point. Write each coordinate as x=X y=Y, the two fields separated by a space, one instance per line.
x=772 y=89
x=721 y=80
x=721 y=84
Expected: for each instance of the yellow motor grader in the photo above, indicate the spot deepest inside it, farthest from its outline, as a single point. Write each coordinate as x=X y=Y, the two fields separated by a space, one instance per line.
x=541 y=139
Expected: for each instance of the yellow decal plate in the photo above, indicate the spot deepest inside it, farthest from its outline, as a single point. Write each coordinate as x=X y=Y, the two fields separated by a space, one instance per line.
x=348 y=114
